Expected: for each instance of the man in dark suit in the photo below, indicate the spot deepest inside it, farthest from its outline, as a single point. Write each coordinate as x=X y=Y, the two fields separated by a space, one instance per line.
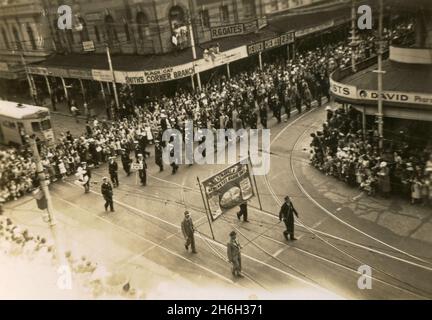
x=286 y=214
x=126 y=161
x=113 y=171
x=107 y=192
x=143 y=171
x=234 y=254
x=188 y=231
x=243 y=212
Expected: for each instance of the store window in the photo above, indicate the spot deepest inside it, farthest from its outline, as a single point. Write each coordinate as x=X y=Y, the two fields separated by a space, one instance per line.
x=224 y=13
x=143 y=25
x=205 y=18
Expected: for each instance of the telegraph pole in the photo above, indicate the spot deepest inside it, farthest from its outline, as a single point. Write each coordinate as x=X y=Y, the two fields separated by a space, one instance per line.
x=43 y=183
x=29 y=79
x=113 y=81
x=380 y=114
x=354 y=42
x=194 y=56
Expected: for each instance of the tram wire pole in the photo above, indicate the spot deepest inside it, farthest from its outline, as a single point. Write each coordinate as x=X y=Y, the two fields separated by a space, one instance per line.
x=205 y=207
x=380 y=114
x=114 y=114
x=43 y=183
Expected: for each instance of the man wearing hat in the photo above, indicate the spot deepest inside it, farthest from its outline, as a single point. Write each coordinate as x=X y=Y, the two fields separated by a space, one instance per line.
x=234 y=254
x=86 y=176
x=188 y=231
x=243 y=212
x=113 y=169
x=158 y=155
x=126 y=161
x=107 y=192
x=142 y=172
x=286 y=214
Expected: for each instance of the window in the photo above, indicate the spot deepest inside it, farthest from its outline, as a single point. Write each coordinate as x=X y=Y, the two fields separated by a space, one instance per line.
x=205 y=18
x=143 y=25
x=224 y=13
x=83 y=30
x=274 y=5
x=96 y=31
x=46 y=124
x=16 y=38
x=5 y=39
x=31 y=37
x=110 y=29
x=35 y=126
x=176 y=17
x=249 y=10
x=9 y=124
x=126 y=30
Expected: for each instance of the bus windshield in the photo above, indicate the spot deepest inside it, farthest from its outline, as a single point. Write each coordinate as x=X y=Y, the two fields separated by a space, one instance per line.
x=46 y=124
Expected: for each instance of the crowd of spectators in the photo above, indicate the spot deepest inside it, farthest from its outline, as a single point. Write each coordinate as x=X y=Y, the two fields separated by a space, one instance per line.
x=239 y=102
x=342 y=150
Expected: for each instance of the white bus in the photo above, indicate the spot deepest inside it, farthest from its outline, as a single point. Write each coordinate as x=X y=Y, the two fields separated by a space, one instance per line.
x=18 y=120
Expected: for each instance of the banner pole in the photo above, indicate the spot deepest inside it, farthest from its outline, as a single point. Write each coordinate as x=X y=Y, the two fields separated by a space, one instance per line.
x=205 y=207
x=256 y=186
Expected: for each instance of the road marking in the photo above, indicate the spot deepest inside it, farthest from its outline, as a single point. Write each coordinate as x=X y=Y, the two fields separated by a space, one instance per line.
x=278 y=252
x=216 y=243
x=128 y=231
x=342 y=221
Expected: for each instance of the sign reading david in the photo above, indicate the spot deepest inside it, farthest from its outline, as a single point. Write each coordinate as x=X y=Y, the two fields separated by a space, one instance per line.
x=228 y=188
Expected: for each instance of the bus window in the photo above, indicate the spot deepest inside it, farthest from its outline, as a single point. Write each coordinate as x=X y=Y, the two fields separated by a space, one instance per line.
x=9 y=124
x=35 y=126
x=46 y=124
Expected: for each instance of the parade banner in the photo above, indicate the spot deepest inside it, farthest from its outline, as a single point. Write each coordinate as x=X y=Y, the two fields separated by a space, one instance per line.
x=156 y=75
x=228 y=188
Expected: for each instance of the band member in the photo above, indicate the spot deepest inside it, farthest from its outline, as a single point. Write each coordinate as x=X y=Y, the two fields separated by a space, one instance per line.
x=171 y=149
x=142 y=172
x=158 y=155
x=84 y=176
x=126 y=161
x=113 y=169
x=243 y=212
x=107 y=192
x=188 y=231
x=286 y=214
x=234 y=254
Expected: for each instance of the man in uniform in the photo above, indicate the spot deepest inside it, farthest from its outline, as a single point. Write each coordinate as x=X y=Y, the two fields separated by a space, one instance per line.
x=113 y=169
x=243 y=212
x=158 y=155
x=107 y=192
x=142 y=172
x=188 y=231
x=286 y=214
x=126 y=161
x=234 y=255
x=86 y=176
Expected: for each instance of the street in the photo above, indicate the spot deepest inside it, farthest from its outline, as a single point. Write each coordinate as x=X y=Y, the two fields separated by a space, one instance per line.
x=143 y=240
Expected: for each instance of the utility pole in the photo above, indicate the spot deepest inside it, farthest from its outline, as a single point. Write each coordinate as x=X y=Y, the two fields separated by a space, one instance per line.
x=354 y=41
x=380 y=114
x=29 y=79
x=194 y=56
x=45 y=191
x=113 y=81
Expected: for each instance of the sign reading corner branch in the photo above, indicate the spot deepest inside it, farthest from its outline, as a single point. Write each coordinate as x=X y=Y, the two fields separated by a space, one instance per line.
x=156 y=75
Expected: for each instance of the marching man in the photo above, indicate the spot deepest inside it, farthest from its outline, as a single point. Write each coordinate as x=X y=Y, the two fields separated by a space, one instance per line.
x=107 y=192
x=234 y=254
x=286 y=214
x=142 y=172
x=188 y=231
